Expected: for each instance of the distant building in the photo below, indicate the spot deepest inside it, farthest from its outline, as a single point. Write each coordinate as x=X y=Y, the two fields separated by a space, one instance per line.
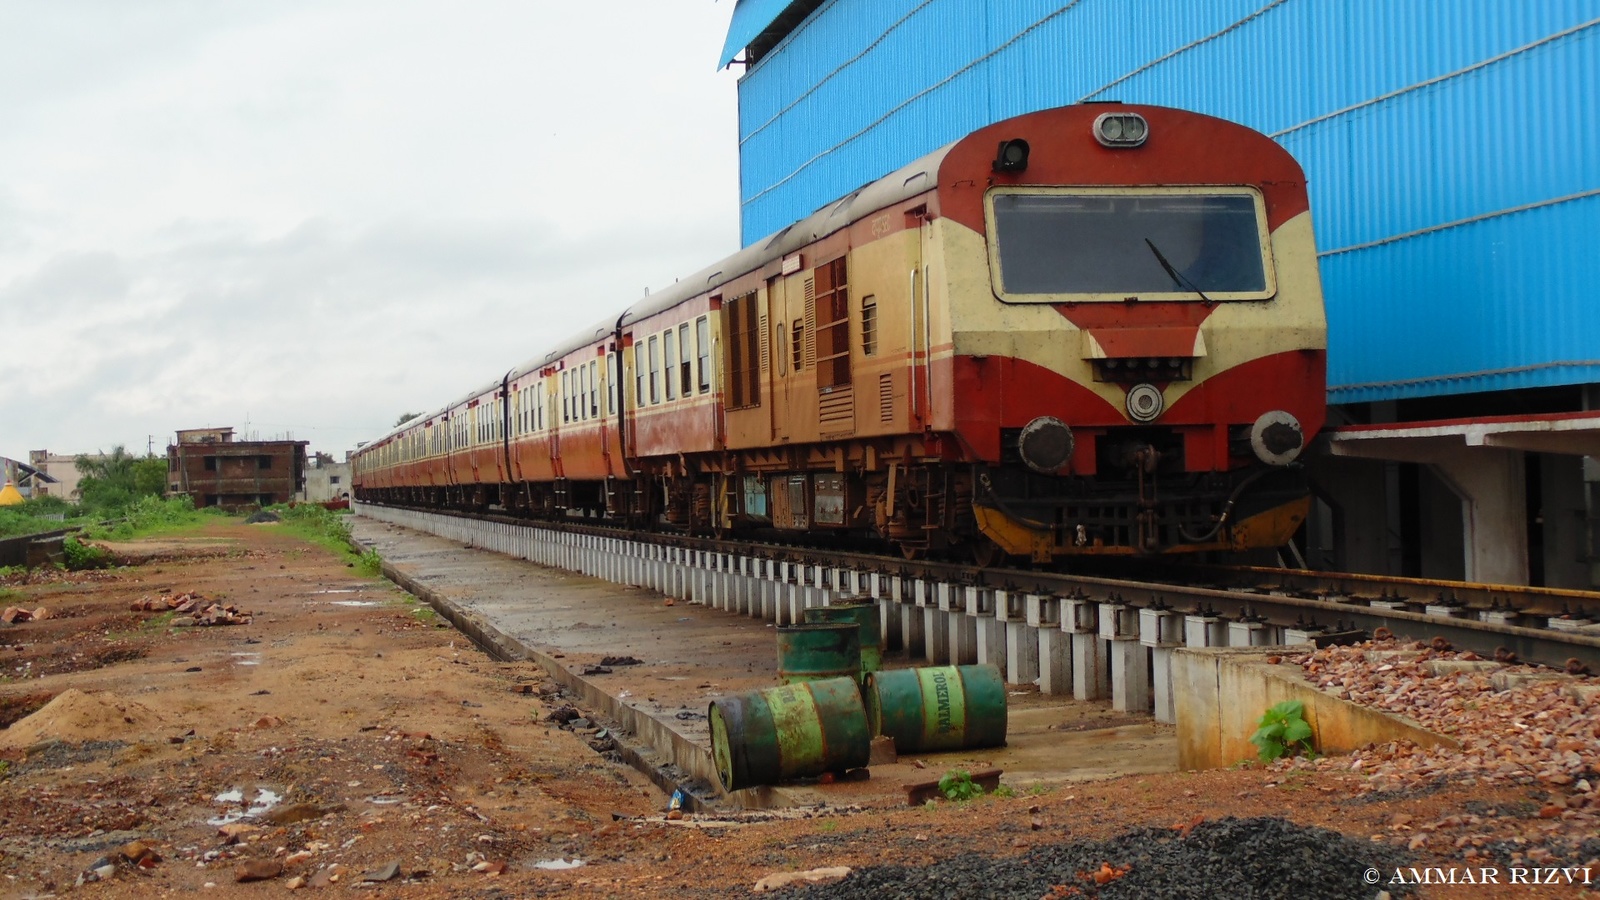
x=213 y=469
x=326 y=480
x=62 y=473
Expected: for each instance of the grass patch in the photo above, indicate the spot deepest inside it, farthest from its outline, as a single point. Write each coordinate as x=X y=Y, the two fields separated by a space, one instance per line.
x=160 y=622
x=153 y=515
x=330 y=530
x=40 y=515
x=323 y=527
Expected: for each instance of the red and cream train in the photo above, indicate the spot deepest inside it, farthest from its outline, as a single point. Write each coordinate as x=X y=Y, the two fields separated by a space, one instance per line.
x=1089 y=330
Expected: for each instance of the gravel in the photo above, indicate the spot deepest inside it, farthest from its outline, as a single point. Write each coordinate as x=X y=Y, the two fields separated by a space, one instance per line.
x=1237 y=859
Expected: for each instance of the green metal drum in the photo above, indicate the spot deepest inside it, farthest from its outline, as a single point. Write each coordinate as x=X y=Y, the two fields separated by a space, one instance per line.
x=815 y=652
x=865 y=614
x=938 y=708
x=783 y=733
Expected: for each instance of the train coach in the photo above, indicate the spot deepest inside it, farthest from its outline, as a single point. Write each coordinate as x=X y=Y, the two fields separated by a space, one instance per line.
x=1089 y=330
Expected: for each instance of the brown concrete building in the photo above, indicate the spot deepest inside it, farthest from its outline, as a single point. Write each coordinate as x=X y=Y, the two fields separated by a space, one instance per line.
x=215 y=470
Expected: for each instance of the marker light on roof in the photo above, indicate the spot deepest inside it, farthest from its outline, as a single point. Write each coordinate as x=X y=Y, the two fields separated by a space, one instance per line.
x=1121 y=129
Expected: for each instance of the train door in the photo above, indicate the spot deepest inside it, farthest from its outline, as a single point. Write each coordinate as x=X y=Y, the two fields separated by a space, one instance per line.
x=776 y=322
x=920 y=339
x=558 y=397
x=599 y=384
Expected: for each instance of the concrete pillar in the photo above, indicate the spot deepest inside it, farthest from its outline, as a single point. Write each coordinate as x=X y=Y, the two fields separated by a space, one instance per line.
x=1130 y=669
x=1492 y=484
x=936 y=635
x=913 y=638
x=1042 y=615
x=1022 y=641
x=991 y=633
x=1205 y=631
x=1248 y=633
x=1161 y=631
x=1080 y=620
x=892 y=600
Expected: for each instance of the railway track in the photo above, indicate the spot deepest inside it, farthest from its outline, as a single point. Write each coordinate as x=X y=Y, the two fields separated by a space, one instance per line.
x=1182 y=605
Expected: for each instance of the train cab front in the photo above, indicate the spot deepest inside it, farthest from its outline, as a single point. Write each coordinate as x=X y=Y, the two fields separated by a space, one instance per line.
x=1148 y=362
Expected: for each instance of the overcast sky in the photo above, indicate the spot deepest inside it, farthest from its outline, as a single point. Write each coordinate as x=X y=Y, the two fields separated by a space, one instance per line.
x=305 y=217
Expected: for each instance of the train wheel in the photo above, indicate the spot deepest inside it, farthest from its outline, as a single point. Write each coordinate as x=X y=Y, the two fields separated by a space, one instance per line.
x=986 y=553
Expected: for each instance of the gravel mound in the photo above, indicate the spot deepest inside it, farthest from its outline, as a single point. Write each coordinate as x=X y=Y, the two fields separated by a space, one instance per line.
x=1238 y=859
x=261 y=516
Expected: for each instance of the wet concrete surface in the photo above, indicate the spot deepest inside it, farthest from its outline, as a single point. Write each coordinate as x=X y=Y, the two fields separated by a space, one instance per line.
x=692 y=654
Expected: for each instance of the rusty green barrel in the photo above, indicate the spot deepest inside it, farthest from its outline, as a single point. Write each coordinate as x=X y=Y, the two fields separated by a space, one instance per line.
x=938 y=708
x=783 y=733
x=865 y=615
x=816 y=652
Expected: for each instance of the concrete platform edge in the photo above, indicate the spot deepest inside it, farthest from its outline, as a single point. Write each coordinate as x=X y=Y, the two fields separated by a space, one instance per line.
x=695 y=772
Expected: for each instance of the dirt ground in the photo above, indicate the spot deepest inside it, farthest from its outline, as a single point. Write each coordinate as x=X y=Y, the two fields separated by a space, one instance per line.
x=345 y=738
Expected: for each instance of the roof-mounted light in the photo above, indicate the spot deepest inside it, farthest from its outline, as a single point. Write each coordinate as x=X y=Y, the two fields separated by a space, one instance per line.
x=1121 y=129
x=1012 y=156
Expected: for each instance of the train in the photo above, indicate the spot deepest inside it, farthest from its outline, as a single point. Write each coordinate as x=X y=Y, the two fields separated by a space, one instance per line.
x=1090 y=330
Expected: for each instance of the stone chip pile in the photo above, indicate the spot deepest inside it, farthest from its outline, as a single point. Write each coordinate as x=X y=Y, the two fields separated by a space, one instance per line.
x=1516 y=724
x=192 y=609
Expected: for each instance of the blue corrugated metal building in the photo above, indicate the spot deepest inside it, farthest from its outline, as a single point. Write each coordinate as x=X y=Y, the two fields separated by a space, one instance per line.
x=1452 y=148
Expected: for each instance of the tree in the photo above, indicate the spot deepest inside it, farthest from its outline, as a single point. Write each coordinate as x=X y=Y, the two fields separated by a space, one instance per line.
x=404 y=418
x=111 y=483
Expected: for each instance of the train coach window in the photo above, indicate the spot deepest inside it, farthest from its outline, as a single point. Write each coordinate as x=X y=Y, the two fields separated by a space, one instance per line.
x=613 y=382
x=702 y=346
x=655 y=370
x=566 y=396
x=638 y=375
x=685 y=361
x=1154 y=244
x=594 y=388
x=743 y=387
x=669 y=370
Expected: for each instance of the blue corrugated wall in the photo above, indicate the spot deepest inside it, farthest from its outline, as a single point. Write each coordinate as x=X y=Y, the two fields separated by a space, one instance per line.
x=1452 y=146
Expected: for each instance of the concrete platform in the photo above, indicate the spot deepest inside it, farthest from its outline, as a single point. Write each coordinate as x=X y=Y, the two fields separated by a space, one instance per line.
x=692 y=653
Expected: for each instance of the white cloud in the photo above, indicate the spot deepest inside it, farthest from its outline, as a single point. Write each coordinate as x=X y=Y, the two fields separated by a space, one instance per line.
x=316 y=215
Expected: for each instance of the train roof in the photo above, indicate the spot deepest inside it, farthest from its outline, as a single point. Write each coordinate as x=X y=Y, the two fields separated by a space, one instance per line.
x=906 y=181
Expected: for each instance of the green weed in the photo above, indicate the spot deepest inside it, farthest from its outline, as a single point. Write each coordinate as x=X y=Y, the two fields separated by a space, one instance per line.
x=957 y=784
x=81 y=556
x=1283 y=730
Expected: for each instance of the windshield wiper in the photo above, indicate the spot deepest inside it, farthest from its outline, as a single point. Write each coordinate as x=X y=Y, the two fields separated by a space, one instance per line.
x=1173 y=273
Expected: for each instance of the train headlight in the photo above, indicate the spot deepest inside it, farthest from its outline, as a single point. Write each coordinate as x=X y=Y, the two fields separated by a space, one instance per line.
x=1145 y=402
x=1277 y=438
x=1045 y=445
x=1121 y=129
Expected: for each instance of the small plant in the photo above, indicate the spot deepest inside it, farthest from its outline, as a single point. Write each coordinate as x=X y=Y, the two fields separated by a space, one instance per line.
x=84 y=556
x=828 y=825
x=370 y=564
x=957 y=784
x=1283 y=730
x=1005 y=791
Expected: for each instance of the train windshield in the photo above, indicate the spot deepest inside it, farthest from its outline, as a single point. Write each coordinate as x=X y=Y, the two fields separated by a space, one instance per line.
x=1073 y=244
